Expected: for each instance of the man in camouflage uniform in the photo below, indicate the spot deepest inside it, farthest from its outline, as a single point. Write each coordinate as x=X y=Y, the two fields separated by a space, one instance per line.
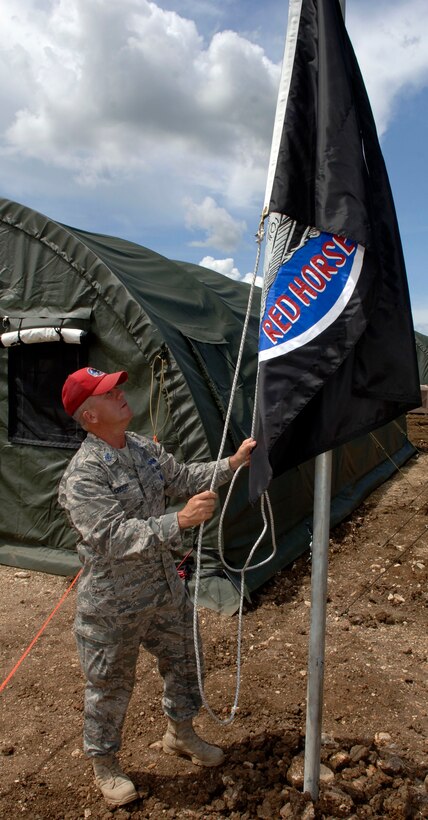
x=129 y=592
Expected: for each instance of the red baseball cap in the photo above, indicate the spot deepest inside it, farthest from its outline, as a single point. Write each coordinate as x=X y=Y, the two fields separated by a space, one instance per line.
x=86 y=382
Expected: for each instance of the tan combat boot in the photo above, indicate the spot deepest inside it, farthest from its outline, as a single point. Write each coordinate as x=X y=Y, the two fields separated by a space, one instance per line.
x=181 y=739
x=115 y=785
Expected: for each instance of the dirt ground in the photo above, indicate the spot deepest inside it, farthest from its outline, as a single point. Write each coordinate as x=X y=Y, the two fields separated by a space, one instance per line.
x=374 y=746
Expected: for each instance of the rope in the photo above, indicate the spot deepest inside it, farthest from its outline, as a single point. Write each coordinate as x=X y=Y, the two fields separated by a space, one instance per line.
x=397 y=466
x=381 y=575
x=399 y=427
x=183 y=572
x=42 y=628
x=381 y=547
x=264 y=499
x=154 y=419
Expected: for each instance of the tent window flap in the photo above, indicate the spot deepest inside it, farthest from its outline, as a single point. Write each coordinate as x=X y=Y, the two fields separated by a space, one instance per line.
x=36 y=374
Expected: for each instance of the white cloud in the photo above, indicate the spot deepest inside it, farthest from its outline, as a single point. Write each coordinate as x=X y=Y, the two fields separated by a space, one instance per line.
x=222 y=231
x=132 y=97
x=90 y=88
x=224 y=266
x=420 y=319
x=95 y=94
x=248 y=277
x=390 y=41
x=227 y=268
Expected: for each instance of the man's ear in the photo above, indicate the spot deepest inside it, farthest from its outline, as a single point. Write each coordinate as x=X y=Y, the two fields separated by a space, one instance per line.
x=90 y=416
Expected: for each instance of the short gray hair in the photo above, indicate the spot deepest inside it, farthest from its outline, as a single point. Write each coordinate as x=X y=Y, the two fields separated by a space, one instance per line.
x=78 y=414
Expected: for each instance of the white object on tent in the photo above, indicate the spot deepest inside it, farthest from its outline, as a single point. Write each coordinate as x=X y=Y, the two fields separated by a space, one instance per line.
x=29 y=336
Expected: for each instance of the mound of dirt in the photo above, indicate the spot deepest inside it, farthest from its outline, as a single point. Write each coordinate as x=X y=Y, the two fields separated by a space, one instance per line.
x=374 y=744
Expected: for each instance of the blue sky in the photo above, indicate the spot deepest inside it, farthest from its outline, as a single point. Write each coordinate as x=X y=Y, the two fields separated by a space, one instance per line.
x=153 y=121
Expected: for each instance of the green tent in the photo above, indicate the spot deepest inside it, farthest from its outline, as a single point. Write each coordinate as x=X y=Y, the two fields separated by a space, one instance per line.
x=68 y=298
x=422 y=356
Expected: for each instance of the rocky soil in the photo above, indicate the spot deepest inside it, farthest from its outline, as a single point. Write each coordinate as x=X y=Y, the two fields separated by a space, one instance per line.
x=374 y=749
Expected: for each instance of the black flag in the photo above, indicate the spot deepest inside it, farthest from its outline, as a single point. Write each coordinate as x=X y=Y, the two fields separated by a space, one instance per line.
x=337 y=349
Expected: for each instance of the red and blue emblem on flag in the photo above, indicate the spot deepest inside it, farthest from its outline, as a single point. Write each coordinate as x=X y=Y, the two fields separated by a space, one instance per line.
x=309 y=291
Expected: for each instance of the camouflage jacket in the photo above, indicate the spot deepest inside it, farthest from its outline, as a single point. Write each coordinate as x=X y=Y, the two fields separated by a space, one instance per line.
x=125 y=532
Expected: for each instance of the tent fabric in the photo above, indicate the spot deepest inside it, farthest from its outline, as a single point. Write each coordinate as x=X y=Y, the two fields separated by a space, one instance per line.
x=154 y=317
x=422 y=356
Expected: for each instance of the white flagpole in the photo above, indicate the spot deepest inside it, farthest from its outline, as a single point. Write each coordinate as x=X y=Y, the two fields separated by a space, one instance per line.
x=320 y=540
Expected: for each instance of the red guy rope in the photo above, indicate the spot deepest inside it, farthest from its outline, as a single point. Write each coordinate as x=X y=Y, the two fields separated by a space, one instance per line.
x=17 y=665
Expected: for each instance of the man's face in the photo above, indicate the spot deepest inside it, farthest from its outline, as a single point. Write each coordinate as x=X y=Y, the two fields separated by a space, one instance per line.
x=110 y=409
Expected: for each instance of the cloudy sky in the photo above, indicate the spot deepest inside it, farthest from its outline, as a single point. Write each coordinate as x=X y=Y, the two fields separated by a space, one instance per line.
x=153 y=121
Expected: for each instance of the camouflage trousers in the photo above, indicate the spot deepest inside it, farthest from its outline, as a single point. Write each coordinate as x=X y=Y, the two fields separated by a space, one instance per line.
x=108 y=649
